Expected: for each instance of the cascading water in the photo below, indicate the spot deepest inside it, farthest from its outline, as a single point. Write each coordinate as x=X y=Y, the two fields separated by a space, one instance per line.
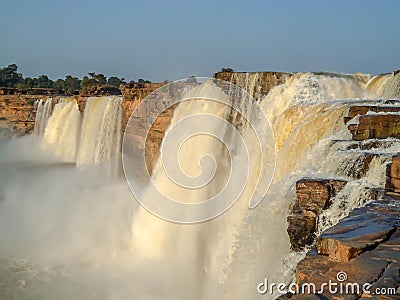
x=93 y=141
x=78 y=234
x=100 y=139
x=43 y=112
x=377 y=83
x=63 y=128
x=392 y=87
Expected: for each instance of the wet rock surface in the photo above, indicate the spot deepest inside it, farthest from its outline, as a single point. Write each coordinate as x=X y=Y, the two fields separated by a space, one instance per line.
x=263 y=82
x=393 y=175
x=313 y=196
x=17 y=116
x=356 y=110
x=376 y=126
x=365 y=246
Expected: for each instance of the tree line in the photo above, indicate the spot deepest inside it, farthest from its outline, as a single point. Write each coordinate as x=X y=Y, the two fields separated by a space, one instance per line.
x=10 y=78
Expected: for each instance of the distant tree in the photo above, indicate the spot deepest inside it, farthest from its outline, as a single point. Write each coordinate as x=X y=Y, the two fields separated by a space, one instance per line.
x=59 y=84
x=99 y=78
x=88 y=82
x=9 y=77
x=115 y=81
x=71 y=84
x=44 y=82
x=229 y=70
x=140 y=80
x=28 y=83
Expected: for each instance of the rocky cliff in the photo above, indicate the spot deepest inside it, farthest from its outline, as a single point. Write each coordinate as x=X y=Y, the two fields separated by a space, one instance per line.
x=257 y=84
x=365 y=246
x=17 y=114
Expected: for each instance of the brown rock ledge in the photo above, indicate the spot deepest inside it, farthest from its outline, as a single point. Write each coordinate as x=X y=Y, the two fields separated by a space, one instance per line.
x=313 y=196
x=365 y=245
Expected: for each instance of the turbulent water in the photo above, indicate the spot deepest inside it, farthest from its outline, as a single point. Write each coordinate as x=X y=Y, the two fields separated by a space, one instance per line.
x=63 y=129
x=73 y=233
x=100 y=138
x=43 y=112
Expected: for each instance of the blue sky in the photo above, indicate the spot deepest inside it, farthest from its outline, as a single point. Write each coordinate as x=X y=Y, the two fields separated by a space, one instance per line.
x=160 y=40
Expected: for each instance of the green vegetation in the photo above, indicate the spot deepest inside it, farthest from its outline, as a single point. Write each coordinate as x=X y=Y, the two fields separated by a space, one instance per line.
x=10 y=78
x=229 y=70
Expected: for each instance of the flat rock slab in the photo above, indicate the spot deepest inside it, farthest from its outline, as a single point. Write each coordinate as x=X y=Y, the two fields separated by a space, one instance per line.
x=313 y=196
x=369 y=253
x=378 y=126
x=362 y=230
x=364 y=109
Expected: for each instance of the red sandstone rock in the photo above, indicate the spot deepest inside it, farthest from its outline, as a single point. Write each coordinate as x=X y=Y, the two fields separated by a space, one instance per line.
x=374 y=230
x=313 y=196
x=378 y=126
x=16 y=113
x=265 y=82
x=393 y=175
x=364 y=109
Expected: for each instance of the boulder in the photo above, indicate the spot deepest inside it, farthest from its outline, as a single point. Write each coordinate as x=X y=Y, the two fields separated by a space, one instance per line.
x=376 y=126
x=313 y=196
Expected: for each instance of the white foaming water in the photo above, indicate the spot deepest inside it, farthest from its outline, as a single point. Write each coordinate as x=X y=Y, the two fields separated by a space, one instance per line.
x=355 y=194
x=377 y=83
x=80 y=235
x=43 y=112
x=392 y=87
x=63 y=128
x=302 y=88
x=100 y=139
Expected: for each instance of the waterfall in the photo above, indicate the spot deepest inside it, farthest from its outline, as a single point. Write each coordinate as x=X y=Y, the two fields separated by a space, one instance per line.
x=392 y=87
x=307 y=117
x=96 y=140
x=377 y=83
x=43 y=112
x=63 y=128
x=81 y=232
x=253 y=82
x=100 y=138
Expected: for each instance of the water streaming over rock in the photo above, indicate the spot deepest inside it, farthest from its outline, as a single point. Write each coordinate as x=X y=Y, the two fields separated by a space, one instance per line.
x=100 y=138
x=95 y=140
x=392 y=87
x=43 y=112
x=377 y=83
x=63 y=129
x=81 y=234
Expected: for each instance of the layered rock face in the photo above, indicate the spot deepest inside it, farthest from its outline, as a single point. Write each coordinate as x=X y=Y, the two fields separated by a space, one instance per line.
x=364 y=248
x=366 y=244
x=257 y=84
x=17 y=115
x=393 y=175
x=313 y=196
x=133 y=94
x=379 y=126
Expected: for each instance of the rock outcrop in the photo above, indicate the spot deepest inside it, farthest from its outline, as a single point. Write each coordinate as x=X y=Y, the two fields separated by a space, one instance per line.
x=393 y=175
x=257 y=84
x=313 y=196
x=133 y=95
x=17 y=115
x=364 y=248
x=376 y=126
x=100 y=91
